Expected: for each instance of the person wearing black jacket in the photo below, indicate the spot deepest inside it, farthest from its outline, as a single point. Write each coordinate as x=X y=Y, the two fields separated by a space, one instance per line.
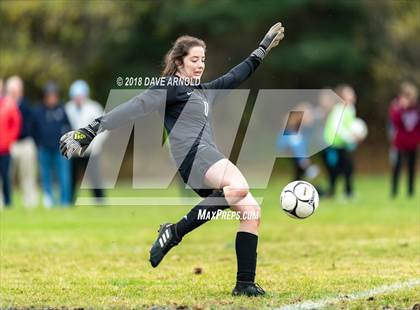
x=187 y=120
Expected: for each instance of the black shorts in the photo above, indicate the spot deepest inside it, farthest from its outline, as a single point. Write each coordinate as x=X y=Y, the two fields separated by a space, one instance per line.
x=195 y=166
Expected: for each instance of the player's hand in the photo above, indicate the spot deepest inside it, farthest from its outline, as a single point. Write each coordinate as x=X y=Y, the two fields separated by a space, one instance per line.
x=77 y=141
x=271 y=39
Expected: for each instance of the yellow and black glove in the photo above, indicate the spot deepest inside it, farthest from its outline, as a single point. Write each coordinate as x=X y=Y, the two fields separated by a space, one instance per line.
x=77 y=141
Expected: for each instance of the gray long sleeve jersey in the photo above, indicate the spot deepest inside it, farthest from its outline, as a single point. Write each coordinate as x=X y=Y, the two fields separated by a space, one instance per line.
x=187 y=116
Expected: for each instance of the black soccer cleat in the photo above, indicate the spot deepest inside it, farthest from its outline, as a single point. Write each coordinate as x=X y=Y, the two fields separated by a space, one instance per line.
x=164 y=242
x=249 y=289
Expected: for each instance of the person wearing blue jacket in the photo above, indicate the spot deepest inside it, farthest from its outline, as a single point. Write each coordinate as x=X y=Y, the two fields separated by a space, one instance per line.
x=50 y=122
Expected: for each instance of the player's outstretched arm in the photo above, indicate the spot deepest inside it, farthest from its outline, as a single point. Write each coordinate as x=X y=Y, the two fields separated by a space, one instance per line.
x=241 y=72
x=77 y=141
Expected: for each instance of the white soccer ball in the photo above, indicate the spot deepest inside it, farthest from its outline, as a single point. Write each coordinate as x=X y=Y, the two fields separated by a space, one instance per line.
x=359 y=129
x=299 y=199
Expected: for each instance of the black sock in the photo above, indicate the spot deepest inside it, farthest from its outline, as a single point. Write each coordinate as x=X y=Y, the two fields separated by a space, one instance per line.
x=246 y=254
x=206 y=206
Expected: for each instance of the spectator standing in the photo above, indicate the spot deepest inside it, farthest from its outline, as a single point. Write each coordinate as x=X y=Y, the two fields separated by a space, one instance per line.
x=10 y=126
x=404 y=114
x=338 y=134
x=81 y=111
x=23 y=152
x=50 y=123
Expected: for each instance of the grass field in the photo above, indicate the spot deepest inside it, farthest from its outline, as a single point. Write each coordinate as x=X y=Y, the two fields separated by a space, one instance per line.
x=92 y=257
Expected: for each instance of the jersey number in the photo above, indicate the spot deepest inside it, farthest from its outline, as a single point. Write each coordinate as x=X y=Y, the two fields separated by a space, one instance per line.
x=206 y=108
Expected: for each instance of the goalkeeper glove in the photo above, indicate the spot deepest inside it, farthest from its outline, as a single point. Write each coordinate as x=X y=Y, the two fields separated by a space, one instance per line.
x=77 y=141
x=271 y=39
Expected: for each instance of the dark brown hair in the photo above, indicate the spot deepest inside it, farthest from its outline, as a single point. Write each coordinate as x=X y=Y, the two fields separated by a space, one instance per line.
x=181 y=47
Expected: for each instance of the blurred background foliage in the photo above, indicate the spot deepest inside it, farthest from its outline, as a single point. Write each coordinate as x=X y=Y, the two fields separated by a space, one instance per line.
x=372 y=45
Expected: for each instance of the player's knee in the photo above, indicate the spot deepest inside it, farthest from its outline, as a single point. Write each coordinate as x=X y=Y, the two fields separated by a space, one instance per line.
x=241 y=193
x=241 y=188
x=236 y=192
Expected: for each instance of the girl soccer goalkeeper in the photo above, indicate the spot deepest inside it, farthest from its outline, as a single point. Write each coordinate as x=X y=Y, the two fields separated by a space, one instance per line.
x=199 y=162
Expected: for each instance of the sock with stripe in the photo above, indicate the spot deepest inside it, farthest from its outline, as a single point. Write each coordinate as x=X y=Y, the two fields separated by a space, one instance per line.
x=214 y=202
